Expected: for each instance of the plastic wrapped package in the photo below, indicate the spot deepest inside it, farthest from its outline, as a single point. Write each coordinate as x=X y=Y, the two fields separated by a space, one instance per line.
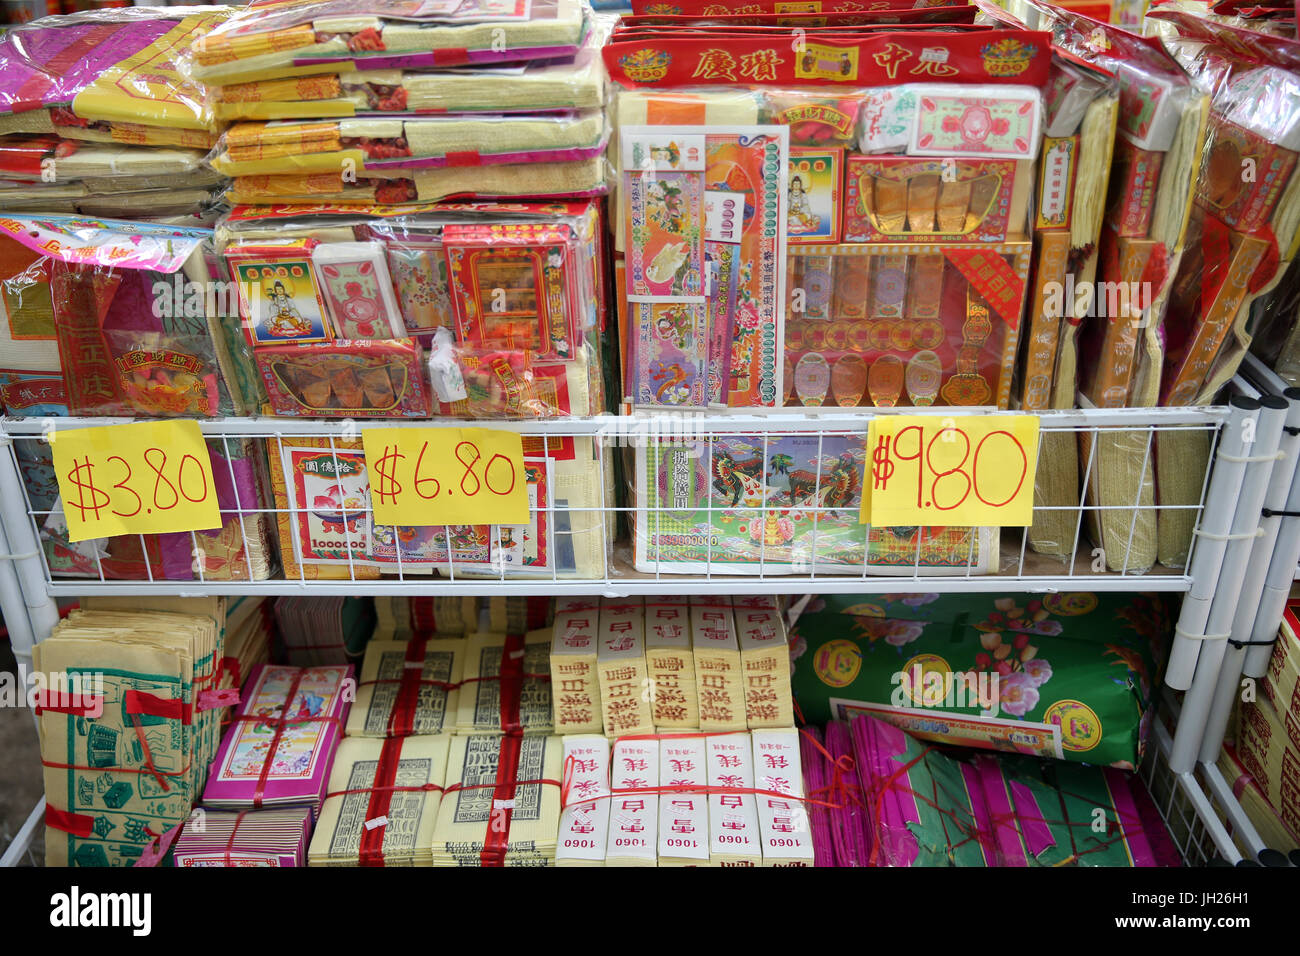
x=385 y=144
x=696 y=9
x=331 y=36
x=714 y=132
x=108 y=76
x=518 y=289
x=567 y=83
x=323 y=492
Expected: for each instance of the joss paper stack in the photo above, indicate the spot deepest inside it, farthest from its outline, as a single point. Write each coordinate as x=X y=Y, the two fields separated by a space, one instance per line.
x=621 y=666
x=506 y=679
x=683 y=816
x=850 y=824
x=633 y=812
x=783 y=823
x=324 y=630
x=670 y=665
x=280 y=747
x=584 y=820
x=764 y=665
x=1277 y=833
x=96 y=118
x=244 y=838
x=382 y=803
x=407 y=687
x=249 y=623
x=817 y=784
x=122 y=757
x=397 y=618
x=342 y=105
x=514 y=823
x=734 y=838
x=575 y=687
x=717 y=664
x=510 y=615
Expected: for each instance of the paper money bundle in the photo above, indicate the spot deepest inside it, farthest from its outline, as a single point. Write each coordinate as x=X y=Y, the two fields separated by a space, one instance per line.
x=492 y=818
x=575 y=686
x=397 y=618
x=633 y=815
x=408 y=687
x=123 y=747
x=506 y=684
x=244 y=838
x=280 y=746
x=383 y=802
x=324 y=630
x=584 y=821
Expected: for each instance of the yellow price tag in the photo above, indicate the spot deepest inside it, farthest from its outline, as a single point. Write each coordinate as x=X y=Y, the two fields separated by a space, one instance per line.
x=964 y=470
x=140 y=478
x=441 y=476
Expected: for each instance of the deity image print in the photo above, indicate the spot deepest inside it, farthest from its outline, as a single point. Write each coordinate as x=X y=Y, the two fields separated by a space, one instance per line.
x=802 y=219
x=285 y=321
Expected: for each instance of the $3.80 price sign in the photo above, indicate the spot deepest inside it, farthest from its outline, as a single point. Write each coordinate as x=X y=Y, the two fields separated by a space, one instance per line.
x=967 y=470
x=441 y=476
x=139 y=478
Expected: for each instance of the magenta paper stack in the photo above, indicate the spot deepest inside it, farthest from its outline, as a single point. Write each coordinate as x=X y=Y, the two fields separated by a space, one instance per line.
x=245 y=838
x=938 y=807
x=280 y=747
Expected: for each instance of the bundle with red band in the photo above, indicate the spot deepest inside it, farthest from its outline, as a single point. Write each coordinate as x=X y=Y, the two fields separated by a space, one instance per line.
x=280 y=747
x=408 y=688
x=245 y=838
x=501 y=802
x=382 y=802
x=506 y=687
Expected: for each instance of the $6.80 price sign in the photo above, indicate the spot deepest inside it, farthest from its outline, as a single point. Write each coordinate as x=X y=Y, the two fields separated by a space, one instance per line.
x=139 y=478
x=966 y=470
x=441 y=476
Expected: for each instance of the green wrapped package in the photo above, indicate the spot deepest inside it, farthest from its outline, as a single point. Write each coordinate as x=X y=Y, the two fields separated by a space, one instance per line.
x=1070 y=676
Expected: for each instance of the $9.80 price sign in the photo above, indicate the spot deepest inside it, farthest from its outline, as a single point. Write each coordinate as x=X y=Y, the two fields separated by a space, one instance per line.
x=967 y=470
x=139 y=478
x=441 y=476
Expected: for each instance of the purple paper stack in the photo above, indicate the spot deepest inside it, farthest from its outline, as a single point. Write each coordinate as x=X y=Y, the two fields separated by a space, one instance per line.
x=245 y=838
x=280 y=747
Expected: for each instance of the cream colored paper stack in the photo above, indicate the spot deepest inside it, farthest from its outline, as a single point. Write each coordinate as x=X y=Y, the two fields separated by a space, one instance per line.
x=526 y=824
x=383 y=682
x=634 y=817
x=683 y=817
x=114 y=763
x=479 y=707
x=620 y=663
x=575 y=688
x=733 y=817
x=764 y=666
x=584 y=823
x=397 y=618
x=675 y=703
x=408 y=816
x=717 y=665
x=782 y=824
x=513 y=615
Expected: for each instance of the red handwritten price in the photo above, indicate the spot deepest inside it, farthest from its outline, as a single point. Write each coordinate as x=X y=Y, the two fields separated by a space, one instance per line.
x=968 y=470
x=141 y=478
x=440 y=476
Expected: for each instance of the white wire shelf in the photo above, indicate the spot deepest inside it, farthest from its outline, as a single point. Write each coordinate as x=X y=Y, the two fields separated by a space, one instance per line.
x=834 y=554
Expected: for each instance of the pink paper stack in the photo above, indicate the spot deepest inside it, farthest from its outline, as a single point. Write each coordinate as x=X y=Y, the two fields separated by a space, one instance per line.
x=245 y=838
x=280 y=747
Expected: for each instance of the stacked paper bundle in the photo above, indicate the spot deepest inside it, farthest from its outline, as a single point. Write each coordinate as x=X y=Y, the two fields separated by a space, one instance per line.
x=510 y=615
x=575 y=687
x=506 y=685
x=382 y=804
x=324 y=630
x=817 y=774
x=408 y=687
x=1268 y=747
x=398 y=618
x=684 y=814
x=501 y=802
x=933 y=809
x=248 y=639
x=783 y=823
x=106 y=128
x=734 y=838
x=244 y=838
x=717 y=664
x=123 y=757
x=764 y=662
x=670 y=664
x=336 y=104
x=279 y=750
x=634 y=812
x=1276 y=833
x=584 y=821
x=621 y=667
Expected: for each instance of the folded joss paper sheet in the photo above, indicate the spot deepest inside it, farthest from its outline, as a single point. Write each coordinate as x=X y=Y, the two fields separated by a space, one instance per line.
x=279 y=40
x=108 y=75
x=1069 y=676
